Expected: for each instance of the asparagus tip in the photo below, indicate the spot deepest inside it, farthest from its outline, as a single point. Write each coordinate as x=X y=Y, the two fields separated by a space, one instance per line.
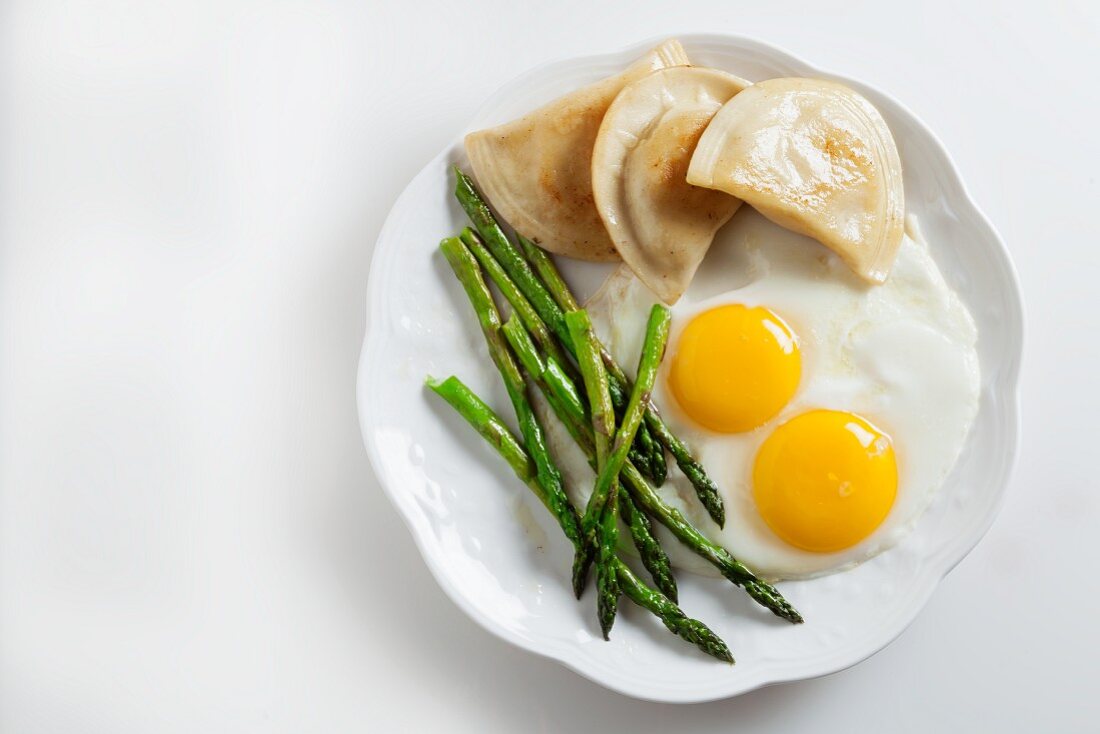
x=582 y=561
x=461 y=176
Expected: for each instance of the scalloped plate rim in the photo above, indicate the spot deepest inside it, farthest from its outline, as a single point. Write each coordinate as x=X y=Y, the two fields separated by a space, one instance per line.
x=566 y=654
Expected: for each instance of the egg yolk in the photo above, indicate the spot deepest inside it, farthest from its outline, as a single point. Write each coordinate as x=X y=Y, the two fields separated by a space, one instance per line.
x=735 y=367
x=824 y=480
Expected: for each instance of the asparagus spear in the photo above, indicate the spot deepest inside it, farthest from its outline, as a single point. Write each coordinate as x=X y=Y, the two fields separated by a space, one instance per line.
x=689 y=465
x=653 y=348
x=649 y=549
x=559 y=390
x=488 y=424
x=531 y=320
x=610 y=457
x=674 y=618
x=465 y=267
x=514 y=264
x=761 y=591
x=510 y=257
x=601 y=510
x=705 y=487
x=607 y=582
x=599 y=402
x=646 y=454
x=566 y=403
x=544 y=266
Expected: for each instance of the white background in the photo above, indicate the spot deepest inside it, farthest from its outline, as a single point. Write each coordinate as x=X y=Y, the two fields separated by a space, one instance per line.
x=191 y=538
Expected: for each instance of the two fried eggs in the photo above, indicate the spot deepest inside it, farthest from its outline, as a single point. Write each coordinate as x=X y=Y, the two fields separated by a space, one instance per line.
x=828 y=411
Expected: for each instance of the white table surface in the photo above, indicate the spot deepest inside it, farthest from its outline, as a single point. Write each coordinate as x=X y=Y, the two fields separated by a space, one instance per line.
x=190 y=536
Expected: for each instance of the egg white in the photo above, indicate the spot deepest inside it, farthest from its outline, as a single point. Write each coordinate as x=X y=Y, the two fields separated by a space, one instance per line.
x=902 y=354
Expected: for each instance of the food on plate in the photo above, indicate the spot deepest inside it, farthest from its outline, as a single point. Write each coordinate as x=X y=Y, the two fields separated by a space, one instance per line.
x=824 y=480
x=735 y=367
x=549 y=296
x=660 y=224
x=649 y=549
x=573 y=407
x=612 y=443
x=466 y=269
x=813 y=399
x=560 y=393
x=894 y=365
x=813 y=156
x=536 y=171
x=496 y=432
x=602 y=508
x=536 y=467
x=565 y=399
x=540 y=306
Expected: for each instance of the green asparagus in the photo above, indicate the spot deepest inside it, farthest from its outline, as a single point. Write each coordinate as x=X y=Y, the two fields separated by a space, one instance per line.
x=466 y=269
x=566 y=404
x=599 y=404
x=689 y=465
x=649 y=549
x=607 y=583
x=547 y=306
x=509 y=256
x=489 y=425
x=705 y=487
x=515 y=265
x=648 y=449
x=552 y=278
x=535 y=326
x=673 y=617
x=653 y=350
x=600 y=520
x=761 y=591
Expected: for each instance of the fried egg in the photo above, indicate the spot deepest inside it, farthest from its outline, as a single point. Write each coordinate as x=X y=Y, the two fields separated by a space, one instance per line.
x=827 y=410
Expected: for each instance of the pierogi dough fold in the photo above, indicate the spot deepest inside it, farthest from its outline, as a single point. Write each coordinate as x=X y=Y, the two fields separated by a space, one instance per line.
x=537 y=171
x=815 y=157
x=660 y=224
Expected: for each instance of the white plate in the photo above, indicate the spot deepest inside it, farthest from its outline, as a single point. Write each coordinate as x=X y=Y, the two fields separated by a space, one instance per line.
x=500 y=556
